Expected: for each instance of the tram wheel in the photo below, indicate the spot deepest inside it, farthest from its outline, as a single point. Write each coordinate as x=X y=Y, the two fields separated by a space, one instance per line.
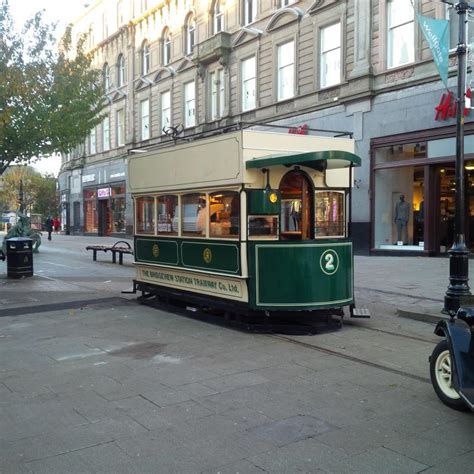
x=441 y=377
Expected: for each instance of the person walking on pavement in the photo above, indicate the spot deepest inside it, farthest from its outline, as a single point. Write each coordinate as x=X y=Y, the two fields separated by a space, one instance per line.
x=56 y=224
x=49 y=224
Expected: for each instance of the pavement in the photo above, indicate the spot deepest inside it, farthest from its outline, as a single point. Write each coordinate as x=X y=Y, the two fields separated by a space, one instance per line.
x=91 y=381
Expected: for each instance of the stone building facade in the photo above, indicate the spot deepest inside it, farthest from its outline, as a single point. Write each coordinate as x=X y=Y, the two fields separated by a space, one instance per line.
x=349 y=65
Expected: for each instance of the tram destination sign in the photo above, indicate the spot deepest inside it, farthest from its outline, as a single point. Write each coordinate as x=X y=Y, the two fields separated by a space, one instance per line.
x=231 y=288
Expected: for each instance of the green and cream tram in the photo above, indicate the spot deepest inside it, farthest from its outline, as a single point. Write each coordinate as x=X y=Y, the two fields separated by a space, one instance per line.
x=250 y=220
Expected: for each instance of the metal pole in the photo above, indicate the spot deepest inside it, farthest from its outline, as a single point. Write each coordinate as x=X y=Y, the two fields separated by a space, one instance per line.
x=458 y=254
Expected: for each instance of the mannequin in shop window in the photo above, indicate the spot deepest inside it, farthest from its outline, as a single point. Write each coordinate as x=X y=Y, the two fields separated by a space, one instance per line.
x=402 y=215
x=295 y=213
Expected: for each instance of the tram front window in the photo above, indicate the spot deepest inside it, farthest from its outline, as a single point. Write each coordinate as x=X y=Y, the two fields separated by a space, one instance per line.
x=224 y=214
x=329 y=214
x=145 y=212
x=193 y=212
x=296 y=205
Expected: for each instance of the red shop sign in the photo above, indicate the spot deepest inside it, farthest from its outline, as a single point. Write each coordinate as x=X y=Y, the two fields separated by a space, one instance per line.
x=301 y=130
x=447 y=106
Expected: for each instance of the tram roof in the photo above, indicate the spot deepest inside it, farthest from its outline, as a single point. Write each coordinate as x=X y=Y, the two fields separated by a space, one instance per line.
x=318 y=160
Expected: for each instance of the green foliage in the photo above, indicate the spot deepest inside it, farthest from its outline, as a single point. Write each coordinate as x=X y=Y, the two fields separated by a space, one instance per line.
x=49 y=99
x=39 y=192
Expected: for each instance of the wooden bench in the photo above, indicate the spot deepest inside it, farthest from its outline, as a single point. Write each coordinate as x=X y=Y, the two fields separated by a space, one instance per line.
x=121 y=247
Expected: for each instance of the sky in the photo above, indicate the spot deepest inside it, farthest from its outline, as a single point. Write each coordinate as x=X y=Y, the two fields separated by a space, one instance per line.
x=61 y=11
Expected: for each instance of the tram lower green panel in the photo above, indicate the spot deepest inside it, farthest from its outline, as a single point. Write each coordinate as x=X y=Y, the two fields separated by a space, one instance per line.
x=300 y=275
x=204 y=255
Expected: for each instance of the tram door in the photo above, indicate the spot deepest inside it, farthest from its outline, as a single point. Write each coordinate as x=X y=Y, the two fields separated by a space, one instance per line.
x=297 y=204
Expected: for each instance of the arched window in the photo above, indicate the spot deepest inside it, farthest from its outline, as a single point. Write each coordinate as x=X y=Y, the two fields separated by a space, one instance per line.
x=218 y=17
x=166 y=46
x=190 y=33
x=106 y=76
x=145 y=59
x=120 y=71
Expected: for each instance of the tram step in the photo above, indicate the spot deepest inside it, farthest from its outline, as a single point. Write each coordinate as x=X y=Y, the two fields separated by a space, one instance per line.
x=360 y=313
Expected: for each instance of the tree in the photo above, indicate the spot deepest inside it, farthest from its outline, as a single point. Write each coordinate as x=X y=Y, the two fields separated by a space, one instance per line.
x=39 y=192
x=49 y=99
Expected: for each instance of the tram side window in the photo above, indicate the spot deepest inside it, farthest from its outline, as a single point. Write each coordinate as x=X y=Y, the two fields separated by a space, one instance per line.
x=167 y=215
x=329 y=214
x=224 y=214
x=145 y=215
x=263 y=227
x=194 y=214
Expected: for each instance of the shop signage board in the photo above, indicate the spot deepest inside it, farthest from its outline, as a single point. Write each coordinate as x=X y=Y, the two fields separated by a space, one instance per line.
x=103 y=193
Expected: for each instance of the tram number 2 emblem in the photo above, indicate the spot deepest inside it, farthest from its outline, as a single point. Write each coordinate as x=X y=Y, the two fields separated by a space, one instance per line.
x=329 y=262
x=207 y=255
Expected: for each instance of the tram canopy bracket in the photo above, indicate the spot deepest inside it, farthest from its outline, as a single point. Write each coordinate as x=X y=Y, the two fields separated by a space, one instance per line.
x=318 y=160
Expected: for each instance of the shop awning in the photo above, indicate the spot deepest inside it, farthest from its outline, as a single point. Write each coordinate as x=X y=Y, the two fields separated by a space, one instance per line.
x=318 y=160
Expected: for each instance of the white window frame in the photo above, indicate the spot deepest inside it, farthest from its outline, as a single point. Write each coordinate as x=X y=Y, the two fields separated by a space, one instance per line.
x=251 y=81
x=120 y=14
x=145 y=58
x=106 y=133
x=286 y=3
x=145 y=119
x=165 y=109
x=218 y=19
x=106 y=75
x=93 y=142
x=120 y=70
x=190 y=34
x=328 y=51
x=285 y=68
x=217 y=93
x=190 y=104
x=120 y=127
x=166 y=45
x=250 y=11
x=390 y=30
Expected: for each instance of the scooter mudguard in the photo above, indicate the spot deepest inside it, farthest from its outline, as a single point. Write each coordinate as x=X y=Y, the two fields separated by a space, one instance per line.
x=461 y=347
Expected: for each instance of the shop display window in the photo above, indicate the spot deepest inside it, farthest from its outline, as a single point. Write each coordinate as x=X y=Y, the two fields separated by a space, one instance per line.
x=118 y=208
x=90 y=211
x=402 y=152
x=145 y=215
x=167 y=215
x=329 y=214
x=194 y=214
x=224 y=214
x=263 y=227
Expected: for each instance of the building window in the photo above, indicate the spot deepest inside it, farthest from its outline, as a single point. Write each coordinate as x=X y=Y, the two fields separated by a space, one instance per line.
x=194 y=214
x=145 y=58
x=120 y=128
x=120 y=71
x=90 y=36
x=190 y=104
x=216 y=79
x=145 y=215
x=145 y=119
x=105 y=26
x=401 y=33
x=330 y=73
x=250 y=11
x=224 y=214
x=106 y=77
x=285 y=3
x=144 y=6
x=286 y=71
x=218 y=23
x=165 y=110
x=118 y=207
x=249 y=82
x=453 y=17
x=93 y=142
x=90 y=210
x=106 y=133
x=166 y=46
x=120 y=14
x=167 y=214
x=190 y=31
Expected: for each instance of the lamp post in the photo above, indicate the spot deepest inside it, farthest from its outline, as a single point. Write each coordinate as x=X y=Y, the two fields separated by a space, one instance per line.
x=458 y=253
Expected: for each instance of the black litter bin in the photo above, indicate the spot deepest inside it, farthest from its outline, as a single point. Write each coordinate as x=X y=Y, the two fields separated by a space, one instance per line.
x=19 y=257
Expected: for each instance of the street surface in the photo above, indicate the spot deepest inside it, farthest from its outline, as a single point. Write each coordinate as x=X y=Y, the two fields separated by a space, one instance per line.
x=91 y=381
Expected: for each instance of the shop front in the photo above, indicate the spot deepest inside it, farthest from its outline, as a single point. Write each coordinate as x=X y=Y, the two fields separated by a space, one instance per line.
x=413 y=191
x=104 y=209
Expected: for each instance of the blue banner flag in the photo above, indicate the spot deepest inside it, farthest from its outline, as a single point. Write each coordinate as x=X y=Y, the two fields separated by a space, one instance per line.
x=437 y=36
